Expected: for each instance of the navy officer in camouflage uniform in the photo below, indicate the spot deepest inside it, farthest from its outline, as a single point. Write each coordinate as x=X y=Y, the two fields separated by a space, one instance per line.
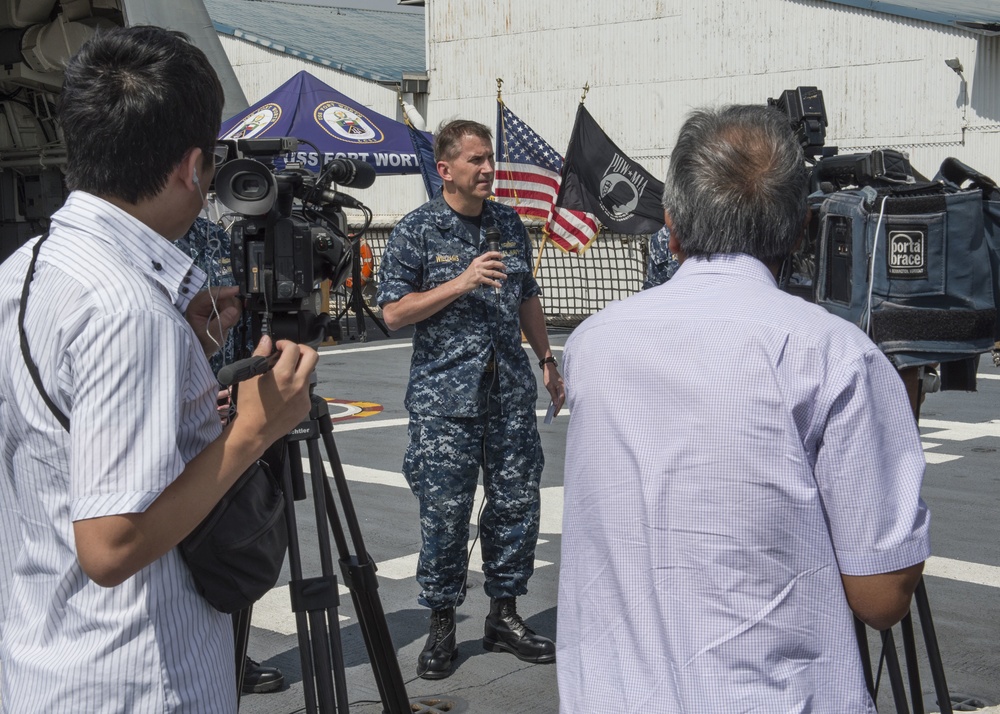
x=471 y=394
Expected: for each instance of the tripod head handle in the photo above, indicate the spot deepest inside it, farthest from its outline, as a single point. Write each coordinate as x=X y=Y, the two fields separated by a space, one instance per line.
x=244 y=369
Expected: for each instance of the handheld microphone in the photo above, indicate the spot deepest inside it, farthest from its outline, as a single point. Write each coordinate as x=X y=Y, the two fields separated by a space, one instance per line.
x=492 y=239
x=493 y=246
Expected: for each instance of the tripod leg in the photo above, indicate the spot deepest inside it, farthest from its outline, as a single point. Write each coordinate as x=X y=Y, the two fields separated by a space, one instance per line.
x=894 y=672
x=315 y=600
x=241 y=635
x=914 y=386
x=291 y=484
x=378 y=323
x=359 y=575
x=861 y=631
x=933 y=652
x=356 y=300
x=912 y=671
x=327 y=618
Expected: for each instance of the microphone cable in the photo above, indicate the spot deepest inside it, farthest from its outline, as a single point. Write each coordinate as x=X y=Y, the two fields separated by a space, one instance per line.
x=867 y=316
x=479 y=520
x=494 y=381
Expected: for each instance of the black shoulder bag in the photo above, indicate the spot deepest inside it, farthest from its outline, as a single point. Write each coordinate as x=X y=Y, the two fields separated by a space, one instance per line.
x=235 y=555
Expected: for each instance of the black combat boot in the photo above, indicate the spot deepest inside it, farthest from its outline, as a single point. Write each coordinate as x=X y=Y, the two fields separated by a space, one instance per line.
x=506 y=632
x=440 y=649
x=258 y=679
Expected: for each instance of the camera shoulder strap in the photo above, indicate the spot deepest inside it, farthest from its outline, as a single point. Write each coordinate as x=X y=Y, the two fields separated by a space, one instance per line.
x=25 y=350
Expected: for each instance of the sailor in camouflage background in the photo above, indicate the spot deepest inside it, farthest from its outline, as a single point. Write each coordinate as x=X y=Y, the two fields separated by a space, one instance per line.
x=471 y=394
x=208 y=245
x=662 y=264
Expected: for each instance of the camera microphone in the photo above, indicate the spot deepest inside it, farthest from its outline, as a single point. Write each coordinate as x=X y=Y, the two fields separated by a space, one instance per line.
x=350 y=172
x=493 y=246
x=328 y=196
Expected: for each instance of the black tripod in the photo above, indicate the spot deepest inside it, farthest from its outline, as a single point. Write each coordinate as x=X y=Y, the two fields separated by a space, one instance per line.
x=891 y=659
x=315 y=599
x=914 y=384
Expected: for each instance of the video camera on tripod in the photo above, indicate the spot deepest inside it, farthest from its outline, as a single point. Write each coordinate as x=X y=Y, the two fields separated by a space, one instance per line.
x=913 y=262
x=283 y=251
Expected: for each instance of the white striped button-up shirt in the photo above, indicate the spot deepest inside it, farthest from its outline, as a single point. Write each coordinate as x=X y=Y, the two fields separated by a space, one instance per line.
x=731 y=451
x=106 y=328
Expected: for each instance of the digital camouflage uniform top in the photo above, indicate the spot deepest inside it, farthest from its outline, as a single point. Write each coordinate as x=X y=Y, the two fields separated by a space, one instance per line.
x=453 y=348
x=662 y=264
x=208 y=245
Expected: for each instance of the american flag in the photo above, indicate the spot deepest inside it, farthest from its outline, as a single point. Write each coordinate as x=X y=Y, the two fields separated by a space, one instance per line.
x=528 y=178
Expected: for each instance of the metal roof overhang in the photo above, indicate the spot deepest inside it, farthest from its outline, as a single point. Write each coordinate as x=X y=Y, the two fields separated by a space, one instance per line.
x=979 y=16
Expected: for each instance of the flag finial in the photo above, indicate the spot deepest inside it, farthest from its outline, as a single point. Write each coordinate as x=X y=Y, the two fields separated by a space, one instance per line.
x=402 y=108
x=586 y=88
x=499 y=85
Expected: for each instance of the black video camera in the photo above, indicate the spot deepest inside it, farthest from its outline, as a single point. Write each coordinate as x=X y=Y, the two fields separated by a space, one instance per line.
x=913 y=262
x=282 y=250
x=831 y=172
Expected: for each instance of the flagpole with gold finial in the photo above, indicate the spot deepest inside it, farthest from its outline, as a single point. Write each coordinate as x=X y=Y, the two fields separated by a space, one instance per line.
x=583 y=98
x=504 y=154
x=541 y=247
x=545 y=228
x=504 y=151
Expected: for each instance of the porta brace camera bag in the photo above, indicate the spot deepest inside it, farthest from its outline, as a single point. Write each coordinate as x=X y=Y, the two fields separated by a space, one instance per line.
x=235 y=554
x=956 y=175
x=911 y=266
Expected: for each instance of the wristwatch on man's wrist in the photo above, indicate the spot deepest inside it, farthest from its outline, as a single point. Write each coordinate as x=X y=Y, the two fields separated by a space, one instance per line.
x=547 y=360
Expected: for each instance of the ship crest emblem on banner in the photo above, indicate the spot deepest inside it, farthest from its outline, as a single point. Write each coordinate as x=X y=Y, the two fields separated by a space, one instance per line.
x=256 y=122
x=346 y=123
x=621 y=188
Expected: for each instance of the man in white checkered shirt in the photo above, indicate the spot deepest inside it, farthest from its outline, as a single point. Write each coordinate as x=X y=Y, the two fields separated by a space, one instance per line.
x=743 y=469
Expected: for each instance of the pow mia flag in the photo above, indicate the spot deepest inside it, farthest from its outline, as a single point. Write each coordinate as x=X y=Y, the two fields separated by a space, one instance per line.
x=600 y=179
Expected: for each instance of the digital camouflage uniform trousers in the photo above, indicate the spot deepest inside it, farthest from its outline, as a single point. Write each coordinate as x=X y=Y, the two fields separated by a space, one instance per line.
x=471 y=399
x=442 y=467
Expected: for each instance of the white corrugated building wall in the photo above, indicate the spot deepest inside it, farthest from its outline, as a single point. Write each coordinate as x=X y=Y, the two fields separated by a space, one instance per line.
x=646 y=63
x=649 y=62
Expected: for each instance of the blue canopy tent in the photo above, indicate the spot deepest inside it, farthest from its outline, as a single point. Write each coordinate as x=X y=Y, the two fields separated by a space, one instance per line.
x=309 y=110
